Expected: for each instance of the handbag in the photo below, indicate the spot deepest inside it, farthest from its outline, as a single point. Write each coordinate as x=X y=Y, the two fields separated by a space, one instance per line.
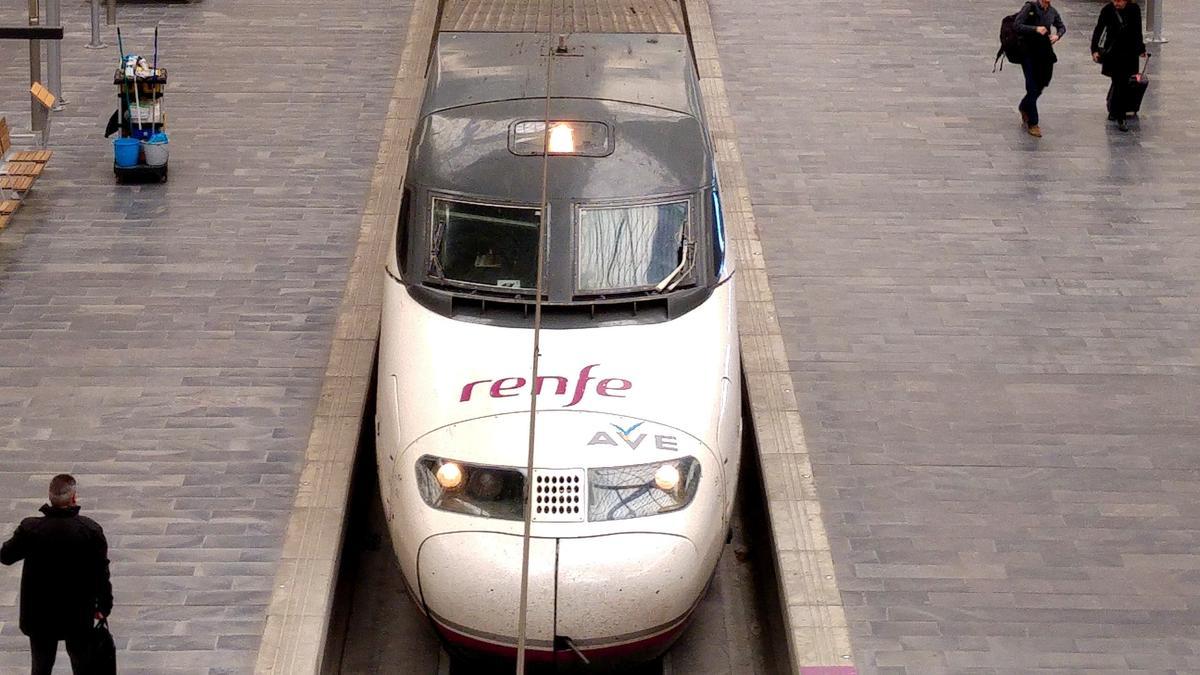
x=102 y=651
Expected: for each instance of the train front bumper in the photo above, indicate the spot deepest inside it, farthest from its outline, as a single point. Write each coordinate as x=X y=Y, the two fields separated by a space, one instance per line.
x=613 y=597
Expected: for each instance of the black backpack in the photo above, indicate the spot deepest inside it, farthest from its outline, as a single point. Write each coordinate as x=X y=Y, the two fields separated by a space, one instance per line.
x=1010 y=40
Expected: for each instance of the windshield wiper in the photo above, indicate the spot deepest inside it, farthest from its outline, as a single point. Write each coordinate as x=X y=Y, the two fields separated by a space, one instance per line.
x=435 y=251
x=685 y=267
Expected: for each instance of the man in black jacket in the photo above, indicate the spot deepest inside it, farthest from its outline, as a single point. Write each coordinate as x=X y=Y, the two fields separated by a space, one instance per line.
x=1040 y=27
x=65 y=583
x=1117 y=44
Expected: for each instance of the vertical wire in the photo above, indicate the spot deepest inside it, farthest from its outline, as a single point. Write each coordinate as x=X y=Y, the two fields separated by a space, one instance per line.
x=537 y=334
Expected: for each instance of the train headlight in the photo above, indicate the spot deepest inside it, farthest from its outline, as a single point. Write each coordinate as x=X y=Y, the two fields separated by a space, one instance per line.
x=619 y=492
x=450 y=476
x=562 y=139
x=474 y=489
x=666 y=478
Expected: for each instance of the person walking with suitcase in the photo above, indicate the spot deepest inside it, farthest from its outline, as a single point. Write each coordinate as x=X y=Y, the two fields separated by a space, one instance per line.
x=65 y=582
x=1117 y=45
x=1040 y=26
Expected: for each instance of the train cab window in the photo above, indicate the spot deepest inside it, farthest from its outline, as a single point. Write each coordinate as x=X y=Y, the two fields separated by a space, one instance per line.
x=484 y=244
x=626 y=248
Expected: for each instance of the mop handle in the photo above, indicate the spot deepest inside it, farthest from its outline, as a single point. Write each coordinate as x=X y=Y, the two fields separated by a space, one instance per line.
x=157 y=85
x=124 y=88
x=137 y=100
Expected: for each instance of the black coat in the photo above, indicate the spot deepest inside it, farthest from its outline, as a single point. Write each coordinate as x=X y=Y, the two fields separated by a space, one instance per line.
x=1122 y=35
x=65 y=578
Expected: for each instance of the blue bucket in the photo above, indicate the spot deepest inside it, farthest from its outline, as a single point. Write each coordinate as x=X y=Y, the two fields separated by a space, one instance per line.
x=125 y=151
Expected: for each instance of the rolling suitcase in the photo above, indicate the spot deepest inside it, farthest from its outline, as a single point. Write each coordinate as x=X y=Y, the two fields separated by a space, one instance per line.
x=1130 y=100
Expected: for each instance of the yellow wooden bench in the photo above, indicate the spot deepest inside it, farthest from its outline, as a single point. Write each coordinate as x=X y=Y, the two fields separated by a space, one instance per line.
x=38 y=156
x=5 y=138
x=15 y=168
x=18 y=174
x=7 y=208
x=16 y=184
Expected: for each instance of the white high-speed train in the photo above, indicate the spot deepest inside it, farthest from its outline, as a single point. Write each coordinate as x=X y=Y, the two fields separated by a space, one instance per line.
x=638 y=387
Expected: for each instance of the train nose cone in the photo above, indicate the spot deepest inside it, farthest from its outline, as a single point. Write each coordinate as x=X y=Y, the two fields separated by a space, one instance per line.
x=627 y=595
x=471 y=585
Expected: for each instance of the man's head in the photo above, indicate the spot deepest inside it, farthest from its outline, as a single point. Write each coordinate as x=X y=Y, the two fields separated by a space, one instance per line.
x=1120 y=4
x=62 y=490
x=1044 y=3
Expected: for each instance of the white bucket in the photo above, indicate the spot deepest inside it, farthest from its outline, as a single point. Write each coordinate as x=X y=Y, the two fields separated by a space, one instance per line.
x=156 y=153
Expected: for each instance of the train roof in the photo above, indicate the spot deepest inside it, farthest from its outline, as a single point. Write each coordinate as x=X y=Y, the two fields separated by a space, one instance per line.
x=642 y=69
x=643 y=87
x=556 y=16
x=616 y=77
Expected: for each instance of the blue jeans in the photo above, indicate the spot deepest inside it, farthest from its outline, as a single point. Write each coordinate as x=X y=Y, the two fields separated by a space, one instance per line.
x=1033 y=89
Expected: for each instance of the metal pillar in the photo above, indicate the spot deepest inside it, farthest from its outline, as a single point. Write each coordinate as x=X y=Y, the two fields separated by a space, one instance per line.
x=97 y=42
x=111 y=19
x=54 y=55
x=37 y=114
x=1154 y=21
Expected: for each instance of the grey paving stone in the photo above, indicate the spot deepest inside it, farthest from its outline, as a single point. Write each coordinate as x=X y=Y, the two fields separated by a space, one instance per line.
x=165 y=343
x=993 y=339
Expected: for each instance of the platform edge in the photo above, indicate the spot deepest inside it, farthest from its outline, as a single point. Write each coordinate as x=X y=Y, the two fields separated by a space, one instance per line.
x=298 y=616
x=817 y=634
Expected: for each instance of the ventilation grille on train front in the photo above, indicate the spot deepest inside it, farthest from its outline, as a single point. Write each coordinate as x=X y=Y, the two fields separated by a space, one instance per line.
x=560 y=495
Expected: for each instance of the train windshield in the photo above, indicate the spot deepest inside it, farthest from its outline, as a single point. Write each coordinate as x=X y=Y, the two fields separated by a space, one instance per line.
x=626 y=248
x=485 y=244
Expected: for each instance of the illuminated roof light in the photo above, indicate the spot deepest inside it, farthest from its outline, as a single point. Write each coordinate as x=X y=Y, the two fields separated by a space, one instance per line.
x=666 y=478
x=562 y=139
x=449 y=475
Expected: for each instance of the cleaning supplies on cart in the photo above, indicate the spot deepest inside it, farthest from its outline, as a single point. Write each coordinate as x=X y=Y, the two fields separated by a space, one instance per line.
x=140 y=151
x=146 y=112
x=136 y=66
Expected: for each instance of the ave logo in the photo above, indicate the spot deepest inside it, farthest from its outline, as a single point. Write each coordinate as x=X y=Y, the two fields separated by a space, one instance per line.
x=631 y=439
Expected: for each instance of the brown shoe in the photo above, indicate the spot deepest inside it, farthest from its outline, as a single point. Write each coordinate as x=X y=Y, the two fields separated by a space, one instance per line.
x=1034 y=131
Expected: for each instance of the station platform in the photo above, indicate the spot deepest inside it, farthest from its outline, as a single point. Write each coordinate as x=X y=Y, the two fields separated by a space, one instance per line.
x=167 y=343
x=991 y=339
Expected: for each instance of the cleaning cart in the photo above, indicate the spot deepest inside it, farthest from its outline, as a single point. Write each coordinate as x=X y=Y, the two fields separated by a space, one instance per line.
x=140 y=148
